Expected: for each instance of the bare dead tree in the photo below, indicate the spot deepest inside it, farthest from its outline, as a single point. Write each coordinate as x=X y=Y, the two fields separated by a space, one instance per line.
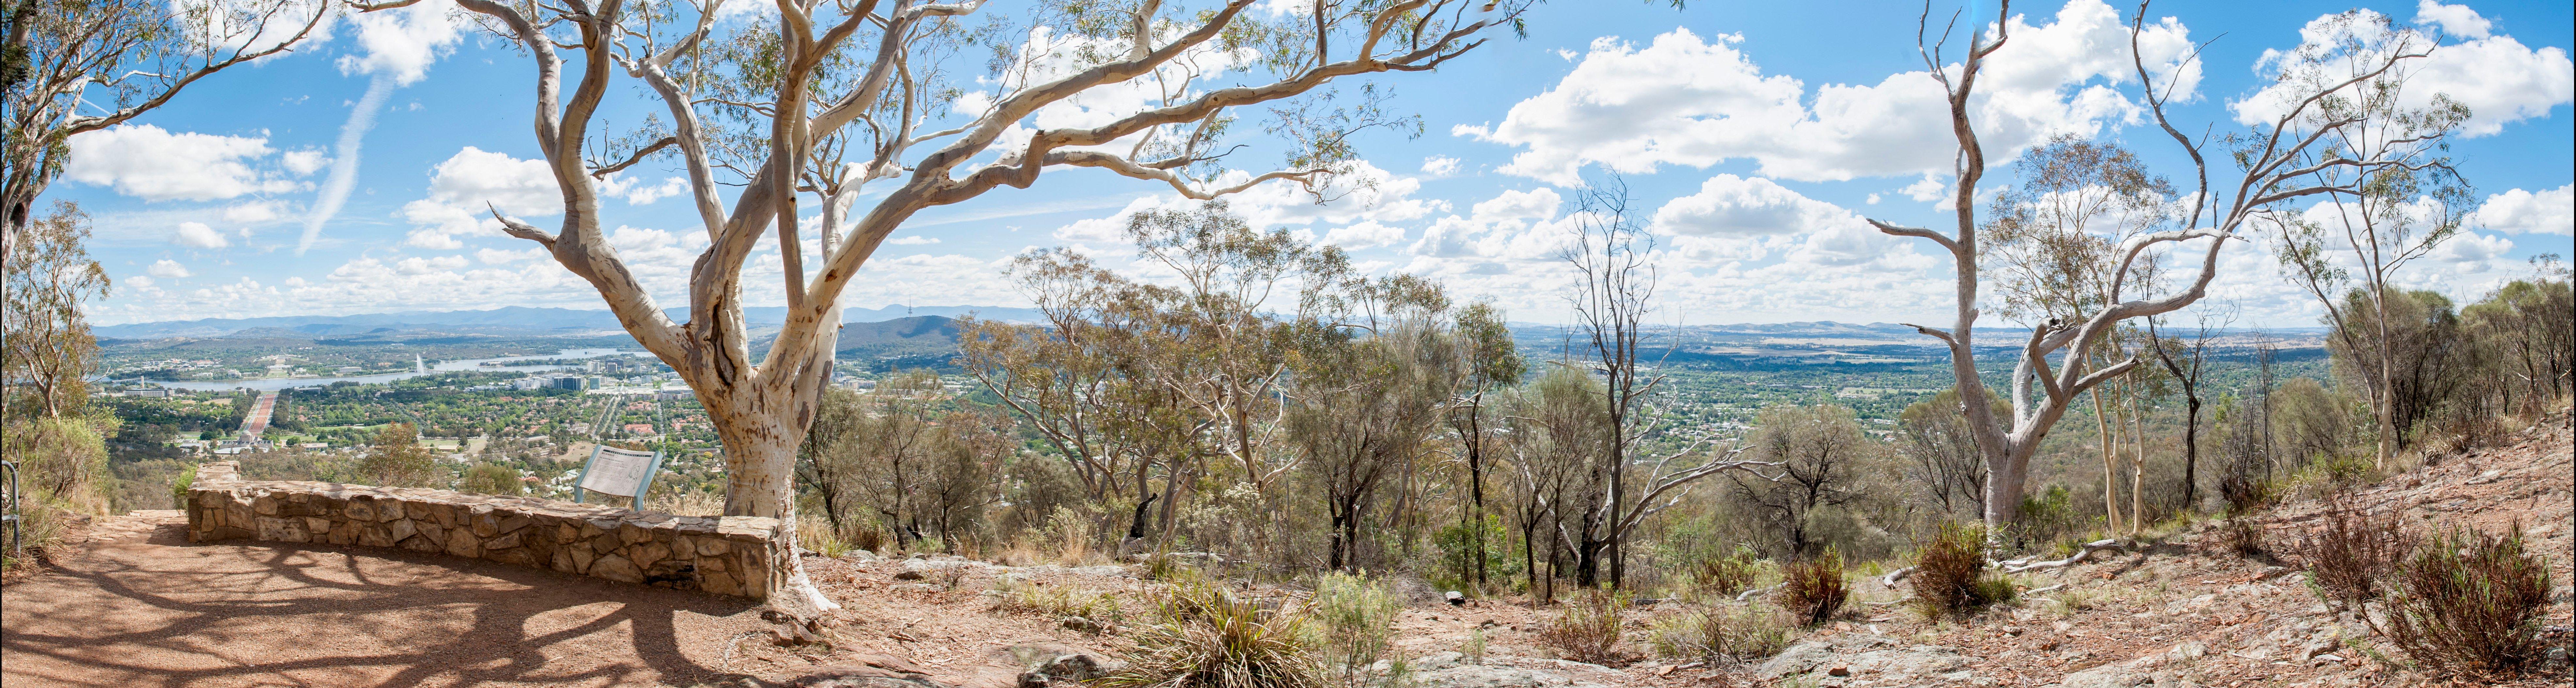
x=2278 y=162
x=2186 y=361
x=1614 y=290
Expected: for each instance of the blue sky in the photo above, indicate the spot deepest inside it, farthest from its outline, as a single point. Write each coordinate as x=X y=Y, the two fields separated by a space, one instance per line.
x=1752 y=135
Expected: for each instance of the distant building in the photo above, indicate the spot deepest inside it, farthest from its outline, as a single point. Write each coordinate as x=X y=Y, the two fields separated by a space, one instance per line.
x=639 y=428
x=574 y=382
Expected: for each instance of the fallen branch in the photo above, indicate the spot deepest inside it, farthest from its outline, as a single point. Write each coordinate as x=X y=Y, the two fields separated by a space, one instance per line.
x=1896 y=575
x=2016 y=566
x=2042 y=591
x=1748 y=594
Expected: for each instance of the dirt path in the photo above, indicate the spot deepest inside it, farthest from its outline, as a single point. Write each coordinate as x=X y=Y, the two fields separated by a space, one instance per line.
x=136 y=605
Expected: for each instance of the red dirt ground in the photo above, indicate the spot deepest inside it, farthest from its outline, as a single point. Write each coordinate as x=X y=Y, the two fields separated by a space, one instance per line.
x=134 y=604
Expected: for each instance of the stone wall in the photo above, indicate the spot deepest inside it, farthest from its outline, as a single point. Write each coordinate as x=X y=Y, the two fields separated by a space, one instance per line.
x=733 y=555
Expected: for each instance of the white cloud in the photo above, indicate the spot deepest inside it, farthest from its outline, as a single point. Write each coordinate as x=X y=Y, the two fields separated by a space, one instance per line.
x=2551 y=211
x=344 y=167
x=402 y=43
x=422 y=266
x=2457 y=20
x=463 y=189
x=914 y=240
x=1439 y=166
x=2499 y=79
x=305 y=161
x=198 y=235
x=1728 y=205
x=252 y=212
x=139 y=281
x=1364 y=235
x=636 y=193
x=1688 y=101
x=147 y=162
x=500 y=257
x=2474 y=249
x=1365 y=193
x=167 y=269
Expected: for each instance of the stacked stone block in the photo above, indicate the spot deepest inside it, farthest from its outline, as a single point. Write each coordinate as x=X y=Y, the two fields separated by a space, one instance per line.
x=732 y=555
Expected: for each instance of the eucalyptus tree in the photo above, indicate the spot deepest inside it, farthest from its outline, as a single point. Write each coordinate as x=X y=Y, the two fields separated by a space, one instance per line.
x=1489 y=361
x=1370 y=385
x=1195 y=63
x=49 y=353
x=118 y=59
x=2353 y=243
x=2277 y=162
x=2052 y=242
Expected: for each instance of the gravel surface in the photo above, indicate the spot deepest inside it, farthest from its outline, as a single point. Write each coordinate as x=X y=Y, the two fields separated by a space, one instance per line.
x=131 y=603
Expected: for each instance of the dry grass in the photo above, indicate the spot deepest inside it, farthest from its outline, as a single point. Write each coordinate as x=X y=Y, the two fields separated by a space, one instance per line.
x=1722 y=634
x=1055 y=601
x=1716 y=575
x=1205 y=638
x=1588 y=630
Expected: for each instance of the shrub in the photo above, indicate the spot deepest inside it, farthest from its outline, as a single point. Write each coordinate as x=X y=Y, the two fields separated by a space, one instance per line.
x=1814 y=587
x=2240 y=535
x=492 y=479
x=1205 y=638
x=1723 y=635
x=179 y=487
x=2352 y=550
x=1720 y=575
x=1950 y=576
x=2470 y=603
x=1357 y=619
x=1588 y=630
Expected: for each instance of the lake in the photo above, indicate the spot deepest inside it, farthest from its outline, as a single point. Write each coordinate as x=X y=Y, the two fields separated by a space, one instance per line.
x=275 y=384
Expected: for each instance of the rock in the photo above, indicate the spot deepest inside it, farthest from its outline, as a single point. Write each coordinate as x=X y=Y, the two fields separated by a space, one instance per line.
x=1077 y=667
x=1486 y=676
x=870 y=671
x=1076 y=623
x=1439 y=660
x=909 y=575
x=1456 y=599
x=1838 y=671
x=1799 y=659
x=616 y=568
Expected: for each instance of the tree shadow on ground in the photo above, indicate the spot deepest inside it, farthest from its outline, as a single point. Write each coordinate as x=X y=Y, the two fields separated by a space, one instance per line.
x=164 y=612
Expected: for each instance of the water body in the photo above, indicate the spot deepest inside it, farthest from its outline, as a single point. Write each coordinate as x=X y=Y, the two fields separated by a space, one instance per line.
x=275 y=384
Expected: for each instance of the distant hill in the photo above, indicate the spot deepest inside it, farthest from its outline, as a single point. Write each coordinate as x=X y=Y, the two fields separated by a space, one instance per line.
x=922 y=341
x=508 y=320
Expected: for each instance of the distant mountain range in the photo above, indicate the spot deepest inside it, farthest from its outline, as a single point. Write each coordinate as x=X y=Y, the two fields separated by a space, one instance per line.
x=517 y=320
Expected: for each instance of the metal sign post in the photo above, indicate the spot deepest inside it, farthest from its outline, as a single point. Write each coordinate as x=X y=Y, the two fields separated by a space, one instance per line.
x=615 y=471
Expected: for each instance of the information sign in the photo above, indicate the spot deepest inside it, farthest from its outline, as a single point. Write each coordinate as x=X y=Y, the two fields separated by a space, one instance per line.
x=621 y=472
